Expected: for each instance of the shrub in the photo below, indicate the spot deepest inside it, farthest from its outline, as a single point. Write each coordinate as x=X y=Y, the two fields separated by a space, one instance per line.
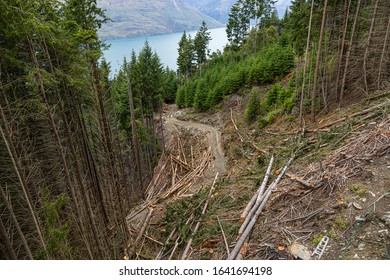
x=253 y=108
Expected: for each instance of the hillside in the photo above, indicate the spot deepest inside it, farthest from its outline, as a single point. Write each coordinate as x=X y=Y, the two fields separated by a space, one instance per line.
x=131 y=18
x=337 y=185
x=217 y=9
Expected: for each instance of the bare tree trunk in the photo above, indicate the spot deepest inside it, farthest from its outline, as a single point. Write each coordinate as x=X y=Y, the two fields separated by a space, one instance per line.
x=314 y=92
x=347 y=5
x=305 y=66
x=18 y=171
x=134 y=131
x=383 y=54
x=16 y=223
x=7 y=242
x=368 y=45
x=62 y=152
x=349 y=50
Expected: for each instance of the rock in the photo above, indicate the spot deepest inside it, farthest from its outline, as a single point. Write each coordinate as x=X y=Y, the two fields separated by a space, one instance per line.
x=357 y=206
x=180 y=114
x=356 y=256
x=361 y=246
x=359 y=219
x=386 y=218
x=383 y=232
x=300 y=251
x=363 y=199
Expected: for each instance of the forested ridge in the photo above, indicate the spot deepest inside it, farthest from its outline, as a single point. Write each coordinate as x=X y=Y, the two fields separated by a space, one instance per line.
x=78 y=147
x=336 y=52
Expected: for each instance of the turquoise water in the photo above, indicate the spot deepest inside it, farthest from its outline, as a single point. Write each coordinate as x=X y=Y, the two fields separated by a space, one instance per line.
x=165 y=45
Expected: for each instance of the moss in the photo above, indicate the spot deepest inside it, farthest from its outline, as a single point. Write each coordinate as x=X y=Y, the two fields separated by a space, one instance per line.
x=340 y=223
x=358 y=189
x=317 y=239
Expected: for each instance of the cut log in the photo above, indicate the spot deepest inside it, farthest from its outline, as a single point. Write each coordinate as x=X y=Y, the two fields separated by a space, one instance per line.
x=251 y=222
x=259 y=192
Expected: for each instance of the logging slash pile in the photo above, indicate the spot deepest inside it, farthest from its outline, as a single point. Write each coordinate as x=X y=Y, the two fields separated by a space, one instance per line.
x=178 y=174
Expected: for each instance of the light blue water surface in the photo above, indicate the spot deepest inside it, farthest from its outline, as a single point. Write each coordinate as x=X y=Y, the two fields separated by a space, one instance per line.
x=165 y=45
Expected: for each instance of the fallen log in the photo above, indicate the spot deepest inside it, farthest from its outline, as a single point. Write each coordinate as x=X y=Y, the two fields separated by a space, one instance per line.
x=145 y=225
x=259 y=192
x=249 y=224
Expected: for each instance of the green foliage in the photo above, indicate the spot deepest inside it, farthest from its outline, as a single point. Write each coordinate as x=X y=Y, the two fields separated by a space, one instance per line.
x=224 y=77
x=57 y=231
x=317 y=239
x=358 y=189
x=170 y=85
x=201 y=42
x=253 y=108
x=180 y=97
x=340 y=223
x=186 y=55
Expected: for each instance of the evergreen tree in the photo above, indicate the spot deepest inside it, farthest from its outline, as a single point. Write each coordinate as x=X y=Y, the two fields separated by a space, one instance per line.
x=201 y=42
x=186 y=55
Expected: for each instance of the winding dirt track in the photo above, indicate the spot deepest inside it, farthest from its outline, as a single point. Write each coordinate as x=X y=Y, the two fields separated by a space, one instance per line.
x=213 y=136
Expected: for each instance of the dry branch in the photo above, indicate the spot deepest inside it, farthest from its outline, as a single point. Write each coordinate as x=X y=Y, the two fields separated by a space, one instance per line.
x=185 y=253
x=366 y=111
x=303 y=182
x=224 y=237
x=235 y=126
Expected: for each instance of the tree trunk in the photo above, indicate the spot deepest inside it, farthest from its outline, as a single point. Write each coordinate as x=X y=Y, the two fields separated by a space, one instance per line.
x=5 y=134
x=16 y=223
x=368 y=45
x=314 y=92
x=349 y=50
x=305 y=66
x=7 y=242
x=134 y=132
x=383 y=54
x=347 y=5
x=61 y=151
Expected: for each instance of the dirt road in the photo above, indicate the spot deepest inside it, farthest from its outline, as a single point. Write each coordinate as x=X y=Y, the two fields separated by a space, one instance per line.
x=213 y=136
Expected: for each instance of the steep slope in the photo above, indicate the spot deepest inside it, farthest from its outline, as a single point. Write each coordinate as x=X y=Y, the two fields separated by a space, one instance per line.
x=131 y=18
x=217 y=9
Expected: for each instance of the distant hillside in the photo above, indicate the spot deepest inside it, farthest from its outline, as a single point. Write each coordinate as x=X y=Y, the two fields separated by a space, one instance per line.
x=217 y=9
x=133 y=18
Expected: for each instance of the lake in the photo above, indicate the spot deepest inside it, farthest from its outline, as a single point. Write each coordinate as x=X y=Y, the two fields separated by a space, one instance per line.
x=165 y=45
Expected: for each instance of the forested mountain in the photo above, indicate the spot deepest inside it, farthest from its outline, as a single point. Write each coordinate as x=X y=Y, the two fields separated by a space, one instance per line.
x=132 y=18
x=217 y=9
